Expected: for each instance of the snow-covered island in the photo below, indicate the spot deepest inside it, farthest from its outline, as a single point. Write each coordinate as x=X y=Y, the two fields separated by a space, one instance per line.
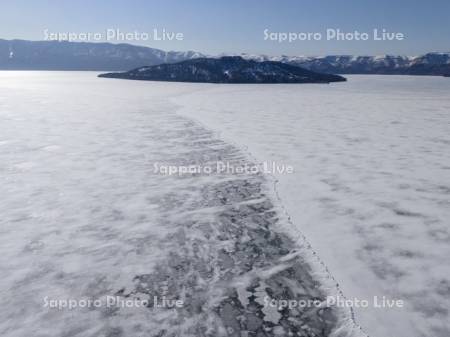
x=227 y=69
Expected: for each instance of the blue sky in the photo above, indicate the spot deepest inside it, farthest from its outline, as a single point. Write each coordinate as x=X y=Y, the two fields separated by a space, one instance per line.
x=233 y=26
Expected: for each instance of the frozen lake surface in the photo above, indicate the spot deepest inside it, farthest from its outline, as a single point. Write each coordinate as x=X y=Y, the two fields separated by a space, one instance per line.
x=371 y=189
x=87 y=222
x=84 y=215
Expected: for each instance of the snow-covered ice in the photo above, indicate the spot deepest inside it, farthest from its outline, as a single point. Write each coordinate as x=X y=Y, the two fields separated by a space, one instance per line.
x=371 y=189
x=84 y=217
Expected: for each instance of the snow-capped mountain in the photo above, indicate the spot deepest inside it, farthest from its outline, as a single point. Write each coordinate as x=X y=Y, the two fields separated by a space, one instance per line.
x=428 y=64
x=55 y=55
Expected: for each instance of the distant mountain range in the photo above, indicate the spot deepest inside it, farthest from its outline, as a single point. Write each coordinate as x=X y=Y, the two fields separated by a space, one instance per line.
x=227 y=69
x=54 y=55
x=428 y=64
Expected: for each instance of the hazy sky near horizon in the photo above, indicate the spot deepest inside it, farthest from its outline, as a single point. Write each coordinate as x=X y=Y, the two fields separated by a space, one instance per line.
x=234 y=26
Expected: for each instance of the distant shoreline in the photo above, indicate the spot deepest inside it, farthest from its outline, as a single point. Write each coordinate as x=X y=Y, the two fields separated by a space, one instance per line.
x=103 y=56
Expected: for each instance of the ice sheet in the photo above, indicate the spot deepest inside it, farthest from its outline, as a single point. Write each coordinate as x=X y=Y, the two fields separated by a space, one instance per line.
x=371 y=185
x=84 y=217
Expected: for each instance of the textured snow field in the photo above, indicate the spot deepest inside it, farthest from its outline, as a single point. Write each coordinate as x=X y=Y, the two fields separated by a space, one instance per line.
x=84 y=217
x=371 y=189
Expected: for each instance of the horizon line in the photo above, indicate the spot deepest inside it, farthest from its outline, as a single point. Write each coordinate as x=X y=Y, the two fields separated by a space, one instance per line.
x=222 y=53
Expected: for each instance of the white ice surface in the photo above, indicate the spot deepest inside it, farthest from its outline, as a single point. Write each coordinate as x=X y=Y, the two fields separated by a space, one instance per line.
x=77 y=197
x=82 y=215
x=371 y=189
